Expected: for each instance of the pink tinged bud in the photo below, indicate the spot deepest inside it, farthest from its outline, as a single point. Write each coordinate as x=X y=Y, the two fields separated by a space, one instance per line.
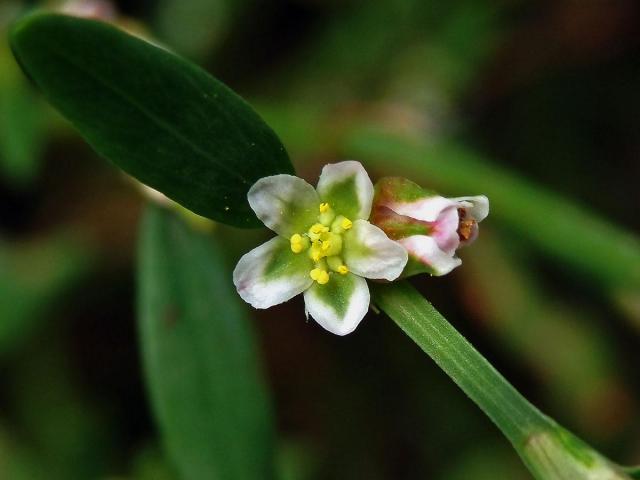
x=429 y=226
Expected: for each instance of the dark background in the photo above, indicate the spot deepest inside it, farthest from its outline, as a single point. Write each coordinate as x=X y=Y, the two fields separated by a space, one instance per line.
x=548 y=90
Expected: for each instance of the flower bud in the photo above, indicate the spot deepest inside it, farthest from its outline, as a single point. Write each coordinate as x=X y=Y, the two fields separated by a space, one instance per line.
x=429 y=226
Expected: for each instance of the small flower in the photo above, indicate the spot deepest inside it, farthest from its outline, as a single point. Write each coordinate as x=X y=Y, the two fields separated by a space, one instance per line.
x=325 y=246
x=429 y=226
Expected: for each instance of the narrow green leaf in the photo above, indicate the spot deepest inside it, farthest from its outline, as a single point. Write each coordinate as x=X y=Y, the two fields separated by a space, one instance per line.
x=155 y=115
x=548 y=450
x=199 y=357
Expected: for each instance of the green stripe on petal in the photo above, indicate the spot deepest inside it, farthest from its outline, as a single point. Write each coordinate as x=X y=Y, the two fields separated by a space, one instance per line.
x=347 y=188
x=271 y=274
x=284 y=203
x=368 y=252
x=398 y=189
x=340 y=304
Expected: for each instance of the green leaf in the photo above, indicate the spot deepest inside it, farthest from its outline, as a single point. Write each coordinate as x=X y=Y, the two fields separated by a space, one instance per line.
x=155 y=115
x=199 y=357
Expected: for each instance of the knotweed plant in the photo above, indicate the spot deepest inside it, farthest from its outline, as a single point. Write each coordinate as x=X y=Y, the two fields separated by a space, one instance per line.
x=173 y=127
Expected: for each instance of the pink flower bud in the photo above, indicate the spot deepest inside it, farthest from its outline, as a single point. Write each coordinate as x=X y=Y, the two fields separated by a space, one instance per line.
x=429 y=226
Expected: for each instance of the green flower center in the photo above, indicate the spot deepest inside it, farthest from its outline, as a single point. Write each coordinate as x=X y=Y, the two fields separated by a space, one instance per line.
x=323 y=244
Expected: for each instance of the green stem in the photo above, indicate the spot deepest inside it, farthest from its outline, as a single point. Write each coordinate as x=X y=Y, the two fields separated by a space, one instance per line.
x=549 y=451
x=504 y=405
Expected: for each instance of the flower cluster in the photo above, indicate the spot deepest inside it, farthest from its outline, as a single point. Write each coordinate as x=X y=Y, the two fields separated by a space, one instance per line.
x=326 y=247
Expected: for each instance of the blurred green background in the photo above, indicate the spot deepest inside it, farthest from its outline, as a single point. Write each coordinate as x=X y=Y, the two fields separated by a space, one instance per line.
x=533 y=103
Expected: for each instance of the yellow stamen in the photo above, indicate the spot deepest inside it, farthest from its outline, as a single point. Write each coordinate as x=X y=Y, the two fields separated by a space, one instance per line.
x=298 y=243
x=323 y=278
x=315 y=273
x=316 y=231
x=340 y=224
x=343 y=270
x=324 y=207
x=318 y=228
x=326 y=245
x=319 y=275
x=316 y=251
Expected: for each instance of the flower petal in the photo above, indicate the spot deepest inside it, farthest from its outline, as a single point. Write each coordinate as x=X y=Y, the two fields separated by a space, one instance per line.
x=340 y=304
x=286 y=204
x=272 y=274
x=477 y=207
x=425 y=251
x=347 y=188
x=369 y=253
x=427 y=209
x=407 y=198
x=445 y=230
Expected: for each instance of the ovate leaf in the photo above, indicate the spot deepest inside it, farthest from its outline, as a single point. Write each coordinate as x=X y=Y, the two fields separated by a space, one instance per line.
x=199 y=357
x=155 y=115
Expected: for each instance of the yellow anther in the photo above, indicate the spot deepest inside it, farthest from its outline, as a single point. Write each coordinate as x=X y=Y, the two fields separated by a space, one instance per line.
x=343 y=270
x=316 y=252
x=319 y=275
x=318 y=228
x=340 y=224
x=326 y=245
x=298 y=243
x=324 y=207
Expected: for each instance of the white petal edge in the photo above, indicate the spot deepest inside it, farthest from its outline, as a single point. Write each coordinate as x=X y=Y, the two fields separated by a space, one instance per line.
x=386 y=259
x=326 y=316
x=478 y=206
x=261 y=293
x=426 y=209
x=425 y=250
x=337 y=172
x=272 y=198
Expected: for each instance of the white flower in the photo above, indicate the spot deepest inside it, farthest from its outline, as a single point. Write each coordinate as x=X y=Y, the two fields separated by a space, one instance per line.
x=325 y=246
x=429 y=226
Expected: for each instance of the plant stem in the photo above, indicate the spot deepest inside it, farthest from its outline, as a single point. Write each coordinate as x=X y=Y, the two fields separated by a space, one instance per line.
x=506 y=407
x=549 y=451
